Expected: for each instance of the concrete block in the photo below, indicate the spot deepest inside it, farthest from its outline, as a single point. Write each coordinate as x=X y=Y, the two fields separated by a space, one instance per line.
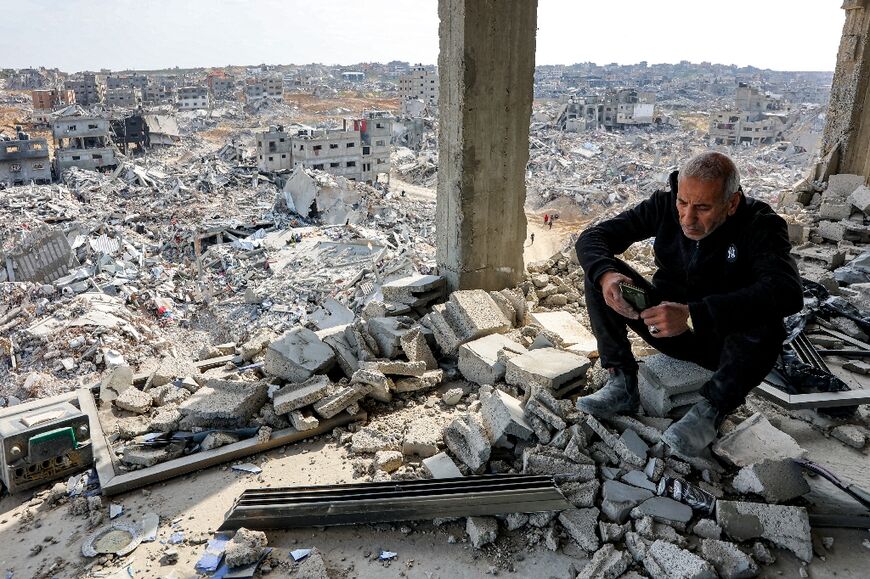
x=638 y=478
x=850 y=435
x=619 y=445
x=649 y=433
x=832 y=230
x=256 y=343
x=115 y=381
x=295 y=396
x=665 y=560
x=672 y=375
x=165 y=419
x=382 y=387
x=503 y=415
x=368 y=440
x=637 y=545
x=545 y=407
x=224 y=403
x=441 y=466
x=517 y=301
x=149 y=456
x=840 y=186
x=860 y=199
x=388 y=332
x=481 y=530
x=169 y=394
x=611 y=532
x=754 y=440
x=388 y=460
x=479 y=360
x=505 y=306
x=466 y=437
x=547 y=368
x=245 y=547
x=828 y=257
x=575 y=336
x=430 y=379
x=618 y=499
x=834 y=209
x=332 y=405
x=297 y=355
x=786 y=527
x=395 y=367
x=302 y=421
x=473 y=314
x=581 y=525
x=729 y=561
x=421 y=438
x=133 y=426
x=545 y=460
x=581 y=494
x=345 y=354
x=407 y=290
x=445 y=335
x=171 y=369
x=663 y=509
x=777 y=481
x=134 y=400
x=707 y=529
x=416 y=348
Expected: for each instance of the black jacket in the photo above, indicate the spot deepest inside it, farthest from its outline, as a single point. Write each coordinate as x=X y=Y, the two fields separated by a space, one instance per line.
x=740 y=276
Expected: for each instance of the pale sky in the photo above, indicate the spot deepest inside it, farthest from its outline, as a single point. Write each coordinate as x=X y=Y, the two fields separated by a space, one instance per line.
x=78 y=35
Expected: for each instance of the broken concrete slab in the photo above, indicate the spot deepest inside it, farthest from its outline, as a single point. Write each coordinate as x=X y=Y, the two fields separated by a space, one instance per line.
x=149 y=456
x=638 y=478
x=224 y=403
x=388 y=332
x=666 y=383
x=850 y=435
x=479 y=361
x=396 y=367
x=115 y=382
x=441 y=466
x=707 y=529
x=665 y=560
x=547 y=368
x=503 y=414
x=467 y=438
x=754 y=440
x=575 y=336
x=345 y=354
x=546 y=460
x=581 y=525
x=581 y=494
x=302 y=421
x=663 y=509
x=841 y=185
x=473 y=314
x=256 y=343
x=421 y=438
x=481 y=530
x=166 y=419
x=784 y=526
x=335 y=403
x=618 y=499
x=777 y=481
x=407 y=290
x=297 y=355
x=416 y=348
x=245 y=547
x=169 y=394
x=728 y=560
x=382 y=387
x=295 y=396
x=620 y=444
x=368 y=440
x=445 y=335
x=429 y=379
x=134 y=400
x=171 y=369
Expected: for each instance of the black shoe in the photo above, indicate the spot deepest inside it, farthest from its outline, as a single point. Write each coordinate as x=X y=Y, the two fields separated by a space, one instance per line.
x=618 y=396
x=694 y=432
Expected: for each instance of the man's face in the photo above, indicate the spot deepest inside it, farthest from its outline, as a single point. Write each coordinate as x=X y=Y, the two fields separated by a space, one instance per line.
x=702 y=208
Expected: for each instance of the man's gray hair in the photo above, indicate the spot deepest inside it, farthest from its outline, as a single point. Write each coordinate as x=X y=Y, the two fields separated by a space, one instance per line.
x=712 y=166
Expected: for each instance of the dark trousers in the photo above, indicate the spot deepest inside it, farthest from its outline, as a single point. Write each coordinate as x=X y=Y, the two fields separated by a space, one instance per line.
x=739 y=361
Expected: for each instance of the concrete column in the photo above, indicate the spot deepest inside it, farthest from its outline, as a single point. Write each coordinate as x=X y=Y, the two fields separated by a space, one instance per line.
x=846 y=140
x=486 y=69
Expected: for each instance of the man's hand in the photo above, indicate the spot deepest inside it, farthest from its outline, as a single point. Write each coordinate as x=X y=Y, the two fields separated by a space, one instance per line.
x=669 y=319
x=613 y=295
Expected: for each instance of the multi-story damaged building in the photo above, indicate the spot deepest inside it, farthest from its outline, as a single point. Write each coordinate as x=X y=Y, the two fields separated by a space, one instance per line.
x=51 y=99
x=135 y=81
x=360 y=150
x=159 y=94
x=192 y=97
x=220 y=84
x=82 y=141
x=420 y=83
x=88 y=90
x=264 y=86
x=23 y=160
x=615 y=109
x=757 y=118
x=123 y=97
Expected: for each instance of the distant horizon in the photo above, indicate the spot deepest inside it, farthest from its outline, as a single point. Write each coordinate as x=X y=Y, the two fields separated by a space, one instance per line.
x=80 y=35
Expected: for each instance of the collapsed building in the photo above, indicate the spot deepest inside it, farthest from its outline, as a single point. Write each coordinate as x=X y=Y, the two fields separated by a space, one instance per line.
x=82 y=141
x=421 y=82
x=192 y=97
x=616 y=109
x=88 y=90
x=757 y=118
x=23 y=160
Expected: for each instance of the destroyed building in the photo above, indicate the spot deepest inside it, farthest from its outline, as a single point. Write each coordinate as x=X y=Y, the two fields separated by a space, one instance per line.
x=192 y=97
x=757 y=118
x=82 y=141
x=264 y=86
x=123 y=97
x=353 y=76
x=421 y=82
x=87 y=88
x=615 y=109
x=51 y=99
x=23 y=160
x=220 y=84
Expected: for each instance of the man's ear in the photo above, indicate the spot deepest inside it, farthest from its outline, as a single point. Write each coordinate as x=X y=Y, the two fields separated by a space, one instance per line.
x=734 y=202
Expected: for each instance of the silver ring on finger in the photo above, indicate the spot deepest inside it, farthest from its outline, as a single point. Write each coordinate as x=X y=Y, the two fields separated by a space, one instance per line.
x=653 y=329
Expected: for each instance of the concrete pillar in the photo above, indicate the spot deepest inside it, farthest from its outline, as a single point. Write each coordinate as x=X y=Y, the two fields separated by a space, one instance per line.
x=846 y=140
x=486 y=69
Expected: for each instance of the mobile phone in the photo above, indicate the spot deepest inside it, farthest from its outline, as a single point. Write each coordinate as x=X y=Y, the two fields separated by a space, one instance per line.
x=635 y=296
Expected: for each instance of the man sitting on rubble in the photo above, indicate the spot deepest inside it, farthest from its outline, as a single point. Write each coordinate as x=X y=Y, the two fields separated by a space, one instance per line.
x=724 y=283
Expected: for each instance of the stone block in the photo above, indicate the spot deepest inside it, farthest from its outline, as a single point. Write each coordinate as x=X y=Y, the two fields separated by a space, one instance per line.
x=473 y=314
x=777 y=481
x=332 y=405
x=479 y=360
x=466 y=437
x=860 y=199
x=481 y=530
x=503 y=415
x=547 y=368
x=663 y=509
x=295 y=396
x=618 y=499
x=297 y=355
x=575 y=336
x=665 y=560
x=302 y=421
x=134 y=400
x=388 y=332
x=224 y=403
x=421 y=438
x=345 y=355
x=754 y=440
x=445 y=335
x=581 y=525
x=416 y=348
x=786 y=527
x=407 y=290
x=388 y=460
x=840 y=186
x=441 y=466
x=395 y=367
x=834 y=209
x=672 y=375
x=729 y=561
